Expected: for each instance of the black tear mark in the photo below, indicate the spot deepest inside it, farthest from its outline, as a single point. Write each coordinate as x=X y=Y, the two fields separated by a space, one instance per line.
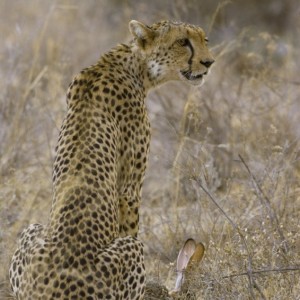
x=192 y=50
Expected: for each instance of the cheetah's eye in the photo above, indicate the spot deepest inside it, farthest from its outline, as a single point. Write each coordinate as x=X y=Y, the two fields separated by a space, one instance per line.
x=183 y=42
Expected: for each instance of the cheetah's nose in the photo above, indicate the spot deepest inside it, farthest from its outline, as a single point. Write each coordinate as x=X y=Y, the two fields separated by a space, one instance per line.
x=207 y=63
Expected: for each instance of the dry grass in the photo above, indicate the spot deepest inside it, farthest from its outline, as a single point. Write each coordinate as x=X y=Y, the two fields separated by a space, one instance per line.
x=224 y=166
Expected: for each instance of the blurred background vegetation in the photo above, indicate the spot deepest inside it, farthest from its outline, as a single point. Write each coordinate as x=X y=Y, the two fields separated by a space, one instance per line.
x=237 y=137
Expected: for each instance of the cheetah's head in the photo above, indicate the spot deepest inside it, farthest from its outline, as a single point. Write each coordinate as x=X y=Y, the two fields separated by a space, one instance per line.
x=173 y=51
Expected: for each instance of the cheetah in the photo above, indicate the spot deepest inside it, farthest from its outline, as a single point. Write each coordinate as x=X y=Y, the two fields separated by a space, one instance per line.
x=89 y=248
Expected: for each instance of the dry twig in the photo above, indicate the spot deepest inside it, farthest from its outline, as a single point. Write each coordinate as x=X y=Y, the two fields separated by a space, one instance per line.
x=252 y=282
x=281 y=270
x=265 y=200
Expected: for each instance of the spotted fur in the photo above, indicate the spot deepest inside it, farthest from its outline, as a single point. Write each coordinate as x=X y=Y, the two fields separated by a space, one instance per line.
x=89 y=249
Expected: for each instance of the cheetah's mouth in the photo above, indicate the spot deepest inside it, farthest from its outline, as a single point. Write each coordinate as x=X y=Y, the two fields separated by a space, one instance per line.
x=190 y=76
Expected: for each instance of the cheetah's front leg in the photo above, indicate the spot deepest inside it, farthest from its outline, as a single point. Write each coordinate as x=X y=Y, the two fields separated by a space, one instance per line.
x=129 y=215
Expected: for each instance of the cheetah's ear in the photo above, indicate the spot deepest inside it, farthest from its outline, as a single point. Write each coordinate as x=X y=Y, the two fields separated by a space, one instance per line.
x=142 y=33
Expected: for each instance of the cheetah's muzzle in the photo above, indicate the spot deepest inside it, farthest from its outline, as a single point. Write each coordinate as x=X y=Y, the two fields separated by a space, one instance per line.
x=189 y=75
